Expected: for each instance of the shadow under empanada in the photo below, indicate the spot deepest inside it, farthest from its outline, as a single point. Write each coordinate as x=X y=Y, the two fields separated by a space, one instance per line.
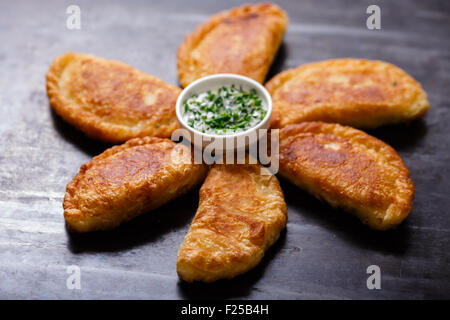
x=77 y=138
x=239 y=287
x=344 y=225
x=403 y=136
x=278 y=63
x=141 y=230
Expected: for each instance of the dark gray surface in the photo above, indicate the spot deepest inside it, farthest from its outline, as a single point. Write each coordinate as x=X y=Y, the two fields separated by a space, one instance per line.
x=322 y=254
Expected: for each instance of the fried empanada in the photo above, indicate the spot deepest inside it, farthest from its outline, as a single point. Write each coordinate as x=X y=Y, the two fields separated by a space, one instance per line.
x=348 y=169
x=128 y=180
x=243 y=40
x=109 y=100
x=360 y=93
x=241 y=213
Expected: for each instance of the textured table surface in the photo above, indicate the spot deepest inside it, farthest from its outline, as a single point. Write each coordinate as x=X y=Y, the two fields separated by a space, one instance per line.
x=322 y=254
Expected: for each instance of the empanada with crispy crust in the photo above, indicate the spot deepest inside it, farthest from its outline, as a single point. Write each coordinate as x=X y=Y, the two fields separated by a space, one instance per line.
x=242 y=40
x=241 y=213
x=128 y=180
x=109 y=100
x=348 y=169
x=360 y=93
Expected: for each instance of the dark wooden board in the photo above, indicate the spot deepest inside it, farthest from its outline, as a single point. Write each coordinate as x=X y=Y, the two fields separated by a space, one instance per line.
x=323 y=254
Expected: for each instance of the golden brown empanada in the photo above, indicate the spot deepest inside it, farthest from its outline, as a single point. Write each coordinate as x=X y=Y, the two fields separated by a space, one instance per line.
x=360 y=93
x=241 y=213
x=243 y=40
x=109 y=100
x=128 y=180
x=348 y=169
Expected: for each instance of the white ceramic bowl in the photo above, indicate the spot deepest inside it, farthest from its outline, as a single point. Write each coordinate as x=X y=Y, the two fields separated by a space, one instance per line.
x=213 y=83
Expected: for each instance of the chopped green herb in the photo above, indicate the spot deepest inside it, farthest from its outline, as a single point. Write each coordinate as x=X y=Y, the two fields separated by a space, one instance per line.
x=227 y=110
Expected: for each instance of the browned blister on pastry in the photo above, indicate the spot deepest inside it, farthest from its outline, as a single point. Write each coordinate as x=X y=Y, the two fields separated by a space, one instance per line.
x=241 y=213
x=349 y=169
x=243 y=40
x=109 y=100
x=128 y=180
x=360 y=93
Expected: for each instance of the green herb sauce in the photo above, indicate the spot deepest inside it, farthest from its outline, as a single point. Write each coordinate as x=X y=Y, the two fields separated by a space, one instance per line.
x=225 y=111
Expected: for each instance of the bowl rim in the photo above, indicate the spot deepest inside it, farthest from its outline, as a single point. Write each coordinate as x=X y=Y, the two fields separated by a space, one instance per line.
x=241 y=78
